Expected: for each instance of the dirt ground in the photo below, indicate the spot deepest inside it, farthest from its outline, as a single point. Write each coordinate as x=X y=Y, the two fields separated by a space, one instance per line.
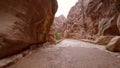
x=70 y=54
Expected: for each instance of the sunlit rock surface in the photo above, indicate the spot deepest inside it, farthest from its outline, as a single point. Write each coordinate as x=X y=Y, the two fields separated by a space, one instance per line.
x=103 y=40
x=102 y=17
x=114 y=44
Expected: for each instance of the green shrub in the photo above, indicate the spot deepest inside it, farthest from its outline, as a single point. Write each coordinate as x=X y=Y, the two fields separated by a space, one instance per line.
x=57 y=36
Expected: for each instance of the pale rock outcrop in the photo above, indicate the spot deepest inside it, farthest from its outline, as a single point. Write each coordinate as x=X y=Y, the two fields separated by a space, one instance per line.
x=103 y=40
x=114 y=44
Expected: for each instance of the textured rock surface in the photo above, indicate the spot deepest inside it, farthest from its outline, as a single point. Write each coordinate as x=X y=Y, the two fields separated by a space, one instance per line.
x=114 y=44
x=118 y=22
x=74 y=27
x=26 y=21
x=8 y=47
x=59 y=23
x=104 y=40
x=102 y=17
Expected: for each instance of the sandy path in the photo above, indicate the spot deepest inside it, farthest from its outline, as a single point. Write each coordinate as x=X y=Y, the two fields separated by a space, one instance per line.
x=69 y=54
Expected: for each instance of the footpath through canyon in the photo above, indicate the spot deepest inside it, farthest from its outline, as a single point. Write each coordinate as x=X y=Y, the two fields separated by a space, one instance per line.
x=70 y=53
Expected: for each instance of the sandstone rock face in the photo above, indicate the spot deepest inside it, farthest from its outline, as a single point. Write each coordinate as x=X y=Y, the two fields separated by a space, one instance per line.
x=105 y=20
x=101 y=18
x=118 y=23
x=114 y=44
x=9 y=47
x=104 y=16
x=59 y=23
x=74 y=26
x=104 y=40
x=24 y=22
x=56 y=28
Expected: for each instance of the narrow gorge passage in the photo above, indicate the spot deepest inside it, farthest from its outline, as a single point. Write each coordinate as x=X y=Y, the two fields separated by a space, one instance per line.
x=69 y=54
x=59 y=33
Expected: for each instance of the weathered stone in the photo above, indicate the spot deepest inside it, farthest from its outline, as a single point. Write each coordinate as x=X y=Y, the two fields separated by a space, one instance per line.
x=31 y=19
x=118 y=23
x=101 y=18
x=24 y=22
x=58 y=23
x=9 y=47
x=74 y=27
x=104 y=15
x=114 y=44
x=103 y=40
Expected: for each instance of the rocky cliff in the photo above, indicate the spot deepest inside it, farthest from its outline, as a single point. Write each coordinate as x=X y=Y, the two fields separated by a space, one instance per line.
x=24 y=22
x=102 y=17
x=59 y=22
x=56 y=29
x=74 y=26
x=97 y=20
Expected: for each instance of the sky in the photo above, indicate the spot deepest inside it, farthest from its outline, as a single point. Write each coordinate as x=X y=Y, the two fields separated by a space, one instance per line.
x=64 y=7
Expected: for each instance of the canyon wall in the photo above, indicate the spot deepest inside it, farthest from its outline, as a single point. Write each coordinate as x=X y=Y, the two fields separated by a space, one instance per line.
x=102 y=17
x=59 y=22
x=24 y=22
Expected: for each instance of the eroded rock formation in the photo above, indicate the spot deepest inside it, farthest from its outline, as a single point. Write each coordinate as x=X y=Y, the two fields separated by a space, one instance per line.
x=101 y=18
x=24 y=22
x=59 y=23
x=74 y=28
x=104 y=15
x=103 y=40
x=114 y=44
x=105 y=19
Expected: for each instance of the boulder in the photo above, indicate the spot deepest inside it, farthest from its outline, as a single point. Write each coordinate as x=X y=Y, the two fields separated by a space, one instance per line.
x=24 y=22
x=103 y=40
x=114 y=44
